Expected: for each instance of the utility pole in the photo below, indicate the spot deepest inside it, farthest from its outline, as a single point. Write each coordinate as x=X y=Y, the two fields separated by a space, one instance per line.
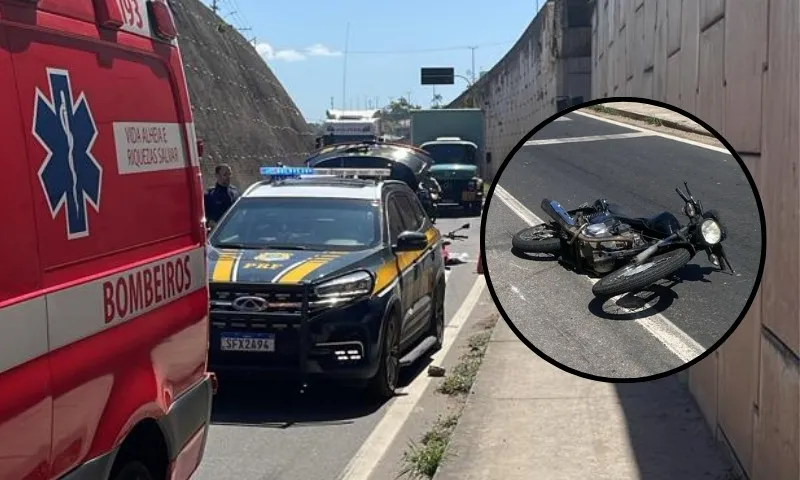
x=214 y=6
x=473 y=62
x=344 y=73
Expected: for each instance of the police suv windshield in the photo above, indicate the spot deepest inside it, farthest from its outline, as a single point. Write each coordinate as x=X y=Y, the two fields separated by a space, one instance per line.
x=444 y=153
x=300 y=223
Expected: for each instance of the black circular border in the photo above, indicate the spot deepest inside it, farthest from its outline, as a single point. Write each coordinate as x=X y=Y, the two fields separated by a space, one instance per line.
x=733 y=326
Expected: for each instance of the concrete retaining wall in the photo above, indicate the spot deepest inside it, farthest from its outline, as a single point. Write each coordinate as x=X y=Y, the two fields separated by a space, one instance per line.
x=241 y=111
x=549 y=62
x=734 y=64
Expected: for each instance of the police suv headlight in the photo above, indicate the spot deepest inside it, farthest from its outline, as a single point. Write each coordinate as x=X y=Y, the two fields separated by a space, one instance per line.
x=711 y=231
x=346 y=287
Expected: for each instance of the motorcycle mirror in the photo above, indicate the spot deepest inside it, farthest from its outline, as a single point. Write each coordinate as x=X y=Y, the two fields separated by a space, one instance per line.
x=685 y=184
x=465 y=226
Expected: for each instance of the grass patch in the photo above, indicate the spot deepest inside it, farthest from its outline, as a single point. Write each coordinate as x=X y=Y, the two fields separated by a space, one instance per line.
x=460 y=381
x=423 y=458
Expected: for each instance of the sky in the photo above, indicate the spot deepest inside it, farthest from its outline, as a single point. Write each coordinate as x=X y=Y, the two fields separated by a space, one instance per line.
x=303 y=42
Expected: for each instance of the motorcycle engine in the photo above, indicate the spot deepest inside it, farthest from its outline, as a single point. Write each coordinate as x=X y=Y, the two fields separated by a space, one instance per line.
x=597 y=252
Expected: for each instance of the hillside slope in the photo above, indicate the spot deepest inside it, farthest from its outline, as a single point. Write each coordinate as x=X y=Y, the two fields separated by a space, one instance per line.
x=241 y=111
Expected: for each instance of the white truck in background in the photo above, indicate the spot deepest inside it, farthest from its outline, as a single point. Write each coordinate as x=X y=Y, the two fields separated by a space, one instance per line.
x=350 y=126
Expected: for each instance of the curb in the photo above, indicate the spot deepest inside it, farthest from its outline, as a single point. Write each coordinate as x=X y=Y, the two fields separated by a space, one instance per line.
x=449 y=453
x=643 y=117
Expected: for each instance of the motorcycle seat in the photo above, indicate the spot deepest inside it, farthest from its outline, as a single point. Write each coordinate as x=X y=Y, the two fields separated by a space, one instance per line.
x=664 y=222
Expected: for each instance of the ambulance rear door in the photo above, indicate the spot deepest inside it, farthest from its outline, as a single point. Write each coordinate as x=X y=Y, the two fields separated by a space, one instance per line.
x=26 y=403
x=115 y=186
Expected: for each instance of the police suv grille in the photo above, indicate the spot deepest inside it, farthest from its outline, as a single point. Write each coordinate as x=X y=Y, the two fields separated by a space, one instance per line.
x=255 y=305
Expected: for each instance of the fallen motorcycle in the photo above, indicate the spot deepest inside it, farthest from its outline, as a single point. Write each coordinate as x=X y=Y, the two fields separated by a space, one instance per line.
x=629 y=253
x=453 y=235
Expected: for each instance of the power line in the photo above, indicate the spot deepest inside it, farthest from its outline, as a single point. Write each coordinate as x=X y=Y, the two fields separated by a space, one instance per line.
x=424 y=50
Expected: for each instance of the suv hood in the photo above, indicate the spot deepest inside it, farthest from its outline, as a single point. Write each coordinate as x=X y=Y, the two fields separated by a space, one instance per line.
x=265 y=266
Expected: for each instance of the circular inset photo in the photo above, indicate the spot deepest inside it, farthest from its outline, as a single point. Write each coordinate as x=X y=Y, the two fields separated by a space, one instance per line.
x=623 y=240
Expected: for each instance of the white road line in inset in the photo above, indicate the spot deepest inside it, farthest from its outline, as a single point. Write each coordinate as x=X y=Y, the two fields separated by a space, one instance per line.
x=563 y=119
x=676 y=340
x=375 y=446
x=593 y=138
x=654 y=132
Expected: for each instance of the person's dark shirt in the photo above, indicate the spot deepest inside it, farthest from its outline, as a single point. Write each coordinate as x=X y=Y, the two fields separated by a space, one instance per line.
x=218 y=200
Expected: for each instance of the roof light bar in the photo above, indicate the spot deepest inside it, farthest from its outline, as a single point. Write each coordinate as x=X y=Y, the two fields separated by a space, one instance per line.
x=306 y=172
x=286 y=171
x=354 y=172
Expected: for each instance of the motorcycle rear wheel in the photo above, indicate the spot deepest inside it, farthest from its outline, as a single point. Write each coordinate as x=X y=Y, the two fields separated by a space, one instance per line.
x=541 y=238
x=660 y=266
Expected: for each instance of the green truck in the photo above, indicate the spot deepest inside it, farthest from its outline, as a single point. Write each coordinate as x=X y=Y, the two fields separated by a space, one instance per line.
x=454 y=137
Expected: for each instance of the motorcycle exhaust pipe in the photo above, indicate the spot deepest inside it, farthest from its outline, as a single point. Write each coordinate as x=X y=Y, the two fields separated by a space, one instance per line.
x=642 y=256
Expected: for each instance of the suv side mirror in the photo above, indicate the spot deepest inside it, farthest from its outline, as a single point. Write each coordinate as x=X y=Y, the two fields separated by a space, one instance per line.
x=409 y=241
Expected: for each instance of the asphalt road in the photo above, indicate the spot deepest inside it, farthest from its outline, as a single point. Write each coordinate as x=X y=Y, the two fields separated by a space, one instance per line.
x=266 y=431
x=554 y=307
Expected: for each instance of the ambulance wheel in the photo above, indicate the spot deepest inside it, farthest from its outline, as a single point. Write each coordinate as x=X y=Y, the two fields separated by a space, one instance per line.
x=133 y=470
x=382 y=386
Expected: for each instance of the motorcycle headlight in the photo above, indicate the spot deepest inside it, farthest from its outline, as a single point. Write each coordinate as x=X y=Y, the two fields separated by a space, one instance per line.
x=711 y=231
x=346 y=287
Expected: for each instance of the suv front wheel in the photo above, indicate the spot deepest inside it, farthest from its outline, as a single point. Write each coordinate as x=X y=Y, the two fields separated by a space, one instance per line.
x=382 y=386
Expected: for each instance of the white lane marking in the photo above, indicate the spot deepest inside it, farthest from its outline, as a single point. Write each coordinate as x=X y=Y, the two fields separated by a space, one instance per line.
x=563 y=119
x=676 y=340
x=375 y=446
x=447 y=275
x=654 y=132
x=593 y=138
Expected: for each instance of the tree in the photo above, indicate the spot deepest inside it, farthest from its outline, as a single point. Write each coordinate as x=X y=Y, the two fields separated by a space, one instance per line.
x=436 y=101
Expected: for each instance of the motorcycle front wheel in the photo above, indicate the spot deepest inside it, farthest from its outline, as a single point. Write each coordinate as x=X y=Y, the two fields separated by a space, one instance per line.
x=537 y=239
x=633 y=277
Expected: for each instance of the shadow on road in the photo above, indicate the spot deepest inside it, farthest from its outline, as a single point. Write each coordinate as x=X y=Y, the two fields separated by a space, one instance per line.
x=279 y=404
x=667 y=432
x=634 y=305
x=454 y=212
x=538 y=257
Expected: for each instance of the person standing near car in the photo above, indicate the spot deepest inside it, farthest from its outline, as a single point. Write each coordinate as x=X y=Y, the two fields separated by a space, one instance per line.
x=219 y=198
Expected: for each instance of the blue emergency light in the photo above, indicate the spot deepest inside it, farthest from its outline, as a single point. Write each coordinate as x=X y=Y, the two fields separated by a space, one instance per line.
x=286 y=171
x=305 y=172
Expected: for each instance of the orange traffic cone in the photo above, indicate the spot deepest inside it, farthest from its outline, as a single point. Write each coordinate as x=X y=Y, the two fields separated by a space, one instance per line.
x=479 y=270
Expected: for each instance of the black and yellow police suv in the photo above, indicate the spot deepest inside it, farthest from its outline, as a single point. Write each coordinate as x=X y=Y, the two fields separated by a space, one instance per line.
x=336 y=273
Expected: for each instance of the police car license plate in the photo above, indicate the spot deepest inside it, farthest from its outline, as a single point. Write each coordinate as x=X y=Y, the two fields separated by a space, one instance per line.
x=247 y=342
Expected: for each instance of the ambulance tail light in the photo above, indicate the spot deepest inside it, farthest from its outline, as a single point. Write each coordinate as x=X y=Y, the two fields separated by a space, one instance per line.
x=109 y=14
x=163 y=23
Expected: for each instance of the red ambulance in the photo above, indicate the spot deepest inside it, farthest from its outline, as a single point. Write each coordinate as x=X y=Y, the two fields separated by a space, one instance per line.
x=103 y=296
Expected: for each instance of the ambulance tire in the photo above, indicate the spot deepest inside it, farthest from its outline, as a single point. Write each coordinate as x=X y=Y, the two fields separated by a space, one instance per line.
x=382 y=386
x=133 y=470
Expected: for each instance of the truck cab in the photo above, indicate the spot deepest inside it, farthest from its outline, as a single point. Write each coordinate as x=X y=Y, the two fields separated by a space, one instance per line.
x=456 y=170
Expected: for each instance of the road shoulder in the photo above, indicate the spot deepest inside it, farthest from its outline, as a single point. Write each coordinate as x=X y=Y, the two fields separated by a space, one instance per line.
x=527 y=419
x=435 y=406
x=656 y=119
